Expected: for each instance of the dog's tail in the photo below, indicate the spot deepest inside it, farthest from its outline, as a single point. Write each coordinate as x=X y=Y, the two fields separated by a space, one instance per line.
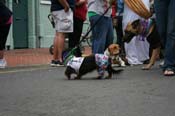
x=117 y=71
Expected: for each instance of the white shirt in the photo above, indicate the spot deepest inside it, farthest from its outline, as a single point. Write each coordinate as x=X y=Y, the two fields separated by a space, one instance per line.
x=75 y=63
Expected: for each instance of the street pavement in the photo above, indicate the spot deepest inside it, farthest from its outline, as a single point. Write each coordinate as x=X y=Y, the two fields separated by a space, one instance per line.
x=45 y=91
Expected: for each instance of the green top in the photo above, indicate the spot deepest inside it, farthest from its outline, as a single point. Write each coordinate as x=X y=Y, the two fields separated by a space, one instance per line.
x=91 y=13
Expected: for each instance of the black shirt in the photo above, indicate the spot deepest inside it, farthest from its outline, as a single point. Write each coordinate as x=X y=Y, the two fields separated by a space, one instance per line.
x=5 y=13
x=55 y=5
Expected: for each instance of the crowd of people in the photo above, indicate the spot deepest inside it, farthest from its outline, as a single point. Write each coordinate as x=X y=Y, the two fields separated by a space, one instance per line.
x=104 y=16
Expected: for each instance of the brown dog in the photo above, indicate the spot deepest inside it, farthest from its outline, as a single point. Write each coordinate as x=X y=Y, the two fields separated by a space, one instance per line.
x=113 y=52
x=150 y=32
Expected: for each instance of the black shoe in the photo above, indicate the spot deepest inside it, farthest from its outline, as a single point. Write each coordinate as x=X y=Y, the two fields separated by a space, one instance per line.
x=56 y=63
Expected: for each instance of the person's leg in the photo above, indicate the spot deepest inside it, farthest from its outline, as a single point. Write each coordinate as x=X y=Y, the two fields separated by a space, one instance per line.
x=170 y=41
x=119 y=31
x=60 y=45
x=59 y=39
x=4 y=31
x=110 y=32
x=58 y=49
x=161 y=10
x=74 y=37
x=55 y=48
x=99 y=33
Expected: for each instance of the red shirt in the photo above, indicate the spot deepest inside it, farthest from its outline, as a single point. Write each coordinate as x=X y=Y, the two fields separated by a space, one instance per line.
x=81 y=11
x=114 y=11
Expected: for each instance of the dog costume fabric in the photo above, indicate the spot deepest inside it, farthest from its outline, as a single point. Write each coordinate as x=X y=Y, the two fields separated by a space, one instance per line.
x=137 y=50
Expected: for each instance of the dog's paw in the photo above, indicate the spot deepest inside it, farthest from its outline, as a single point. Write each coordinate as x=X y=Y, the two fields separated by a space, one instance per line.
x=77 y=78
x=68 y=76
x=147 y=67
x=123 y=65
x=99 y=77
x=108 y=77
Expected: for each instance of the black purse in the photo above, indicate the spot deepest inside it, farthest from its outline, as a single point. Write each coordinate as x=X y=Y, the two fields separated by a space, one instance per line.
x=50 y=17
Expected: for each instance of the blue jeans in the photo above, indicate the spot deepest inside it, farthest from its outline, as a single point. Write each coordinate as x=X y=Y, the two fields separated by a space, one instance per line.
x=165 y=19
x=102 y=33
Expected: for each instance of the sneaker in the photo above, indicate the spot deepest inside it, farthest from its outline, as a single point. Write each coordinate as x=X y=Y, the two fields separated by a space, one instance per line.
x=55 y=63
x=3 y=63
x=161 y=63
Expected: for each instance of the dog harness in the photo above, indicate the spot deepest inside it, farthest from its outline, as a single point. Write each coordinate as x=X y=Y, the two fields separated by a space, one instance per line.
x=102 y=61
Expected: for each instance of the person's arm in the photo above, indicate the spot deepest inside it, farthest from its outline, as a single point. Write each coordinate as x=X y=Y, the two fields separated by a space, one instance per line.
x=65 y=4
x=111 y=2
x=81 y=2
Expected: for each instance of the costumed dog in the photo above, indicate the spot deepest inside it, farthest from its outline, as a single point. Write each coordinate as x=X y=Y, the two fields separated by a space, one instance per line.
x=83 y=65
x=149 y=31
x=113 y=52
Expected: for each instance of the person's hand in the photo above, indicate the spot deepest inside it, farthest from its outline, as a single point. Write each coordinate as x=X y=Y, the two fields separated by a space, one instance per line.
x=65 y=4
x=80 y=2
x=66 y=9
x=111 y=2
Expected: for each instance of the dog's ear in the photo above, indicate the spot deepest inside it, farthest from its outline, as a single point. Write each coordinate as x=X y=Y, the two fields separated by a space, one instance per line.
x=135 y=23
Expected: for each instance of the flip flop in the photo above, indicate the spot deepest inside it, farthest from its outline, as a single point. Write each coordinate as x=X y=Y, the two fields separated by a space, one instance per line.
x=169 y=72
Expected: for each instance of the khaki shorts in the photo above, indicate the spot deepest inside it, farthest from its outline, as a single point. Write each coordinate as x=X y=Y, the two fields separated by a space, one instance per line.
x=63 y=20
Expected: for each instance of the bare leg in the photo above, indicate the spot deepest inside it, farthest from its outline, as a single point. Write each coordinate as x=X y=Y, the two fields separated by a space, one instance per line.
x=55 y=48
x=61 y=39
x=58 y=46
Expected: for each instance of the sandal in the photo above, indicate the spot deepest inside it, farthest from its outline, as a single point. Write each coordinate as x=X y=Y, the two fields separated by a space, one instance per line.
x=169 y=72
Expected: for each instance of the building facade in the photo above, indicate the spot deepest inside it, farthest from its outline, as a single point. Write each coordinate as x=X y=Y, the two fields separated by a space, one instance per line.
x=31 y=27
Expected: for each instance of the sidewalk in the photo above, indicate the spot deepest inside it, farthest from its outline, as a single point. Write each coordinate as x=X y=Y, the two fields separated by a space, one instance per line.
x=31 y=57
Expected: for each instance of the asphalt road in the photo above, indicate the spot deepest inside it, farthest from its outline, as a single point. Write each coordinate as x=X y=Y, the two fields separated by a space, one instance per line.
x=44 y=91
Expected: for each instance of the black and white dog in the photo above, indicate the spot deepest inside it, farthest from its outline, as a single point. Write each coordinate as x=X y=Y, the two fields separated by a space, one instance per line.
x=83 y=65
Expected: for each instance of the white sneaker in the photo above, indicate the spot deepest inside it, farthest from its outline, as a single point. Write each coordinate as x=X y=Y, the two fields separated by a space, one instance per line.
x=3 y=63
x=161 y=63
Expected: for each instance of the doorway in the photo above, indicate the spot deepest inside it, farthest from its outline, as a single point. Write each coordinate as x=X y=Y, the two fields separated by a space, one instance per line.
x=20 y=24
